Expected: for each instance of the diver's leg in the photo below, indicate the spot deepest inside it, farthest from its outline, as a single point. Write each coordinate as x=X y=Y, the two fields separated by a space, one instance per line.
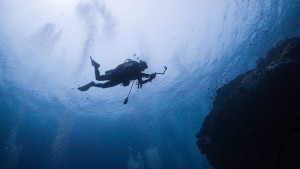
x=101 y=77
x=101 y=85
x=110 y=83
x=97 y=73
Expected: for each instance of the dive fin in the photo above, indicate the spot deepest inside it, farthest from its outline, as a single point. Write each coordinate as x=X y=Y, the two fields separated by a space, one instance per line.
x=86 y=87
x=94 y=63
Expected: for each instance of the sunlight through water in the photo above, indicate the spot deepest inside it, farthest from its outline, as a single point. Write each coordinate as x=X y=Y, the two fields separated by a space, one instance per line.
x=45 y=49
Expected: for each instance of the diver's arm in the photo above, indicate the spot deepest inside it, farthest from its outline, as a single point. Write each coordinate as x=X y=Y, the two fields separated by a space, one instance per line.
x=145 y=75
x=151 y=77
x=144 y=81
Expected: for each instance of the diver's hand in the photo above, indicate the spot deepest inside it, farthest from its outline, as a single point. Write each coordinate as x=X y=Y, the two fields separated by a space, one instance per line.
x=152 y=76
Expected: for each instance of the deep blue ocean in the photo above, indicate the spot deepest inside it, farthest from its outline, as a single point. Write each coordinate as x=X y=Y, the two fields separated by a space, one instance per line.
x=46 y=123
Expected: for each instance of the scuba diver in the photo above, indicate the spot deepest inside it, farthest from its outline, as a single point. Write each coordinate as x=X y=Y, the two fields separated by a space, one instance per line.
x=122 y=74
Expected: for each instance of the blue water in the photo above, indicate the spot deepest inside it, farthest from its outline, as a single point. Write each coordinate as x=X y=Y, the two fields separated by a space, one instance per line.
x=46 y=123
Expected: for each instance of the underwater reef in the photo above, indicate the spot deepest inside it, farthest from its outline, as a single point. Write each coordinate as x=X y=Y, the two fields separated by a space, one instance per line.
x=255 y=118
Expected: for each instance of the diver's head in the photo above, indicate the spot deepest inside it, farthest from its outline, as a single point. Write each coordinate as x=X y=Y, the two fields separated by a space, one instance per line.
x=143 y=65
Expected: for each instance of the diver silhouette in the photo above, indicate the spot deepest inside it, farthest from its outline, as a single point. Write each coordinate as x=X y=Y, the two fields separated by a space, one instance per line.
x=122 y=74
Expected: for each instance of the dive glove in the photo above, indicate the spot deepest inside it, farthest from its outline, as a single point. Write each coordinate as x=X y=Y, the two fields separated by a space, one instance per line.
x=152 y=76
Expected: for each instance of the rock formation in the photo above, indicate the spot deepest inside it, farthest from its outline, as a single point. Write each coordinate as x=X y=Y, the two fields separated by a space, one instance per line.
x=255 y=119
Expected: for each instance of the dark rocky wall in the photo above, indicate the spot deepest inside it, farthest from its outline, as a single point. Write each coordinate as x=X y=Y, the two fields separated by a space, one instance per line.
x=255 y=119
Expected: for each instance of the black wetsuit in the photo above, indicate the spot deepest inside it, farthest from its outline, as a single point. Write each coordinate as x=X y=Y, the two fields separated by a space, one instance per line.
x=124 y=73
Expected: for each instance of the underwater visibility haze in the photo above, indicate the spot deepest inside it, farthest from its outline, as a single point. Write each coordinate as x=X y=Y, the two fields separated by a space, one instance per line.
x=45 y=49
